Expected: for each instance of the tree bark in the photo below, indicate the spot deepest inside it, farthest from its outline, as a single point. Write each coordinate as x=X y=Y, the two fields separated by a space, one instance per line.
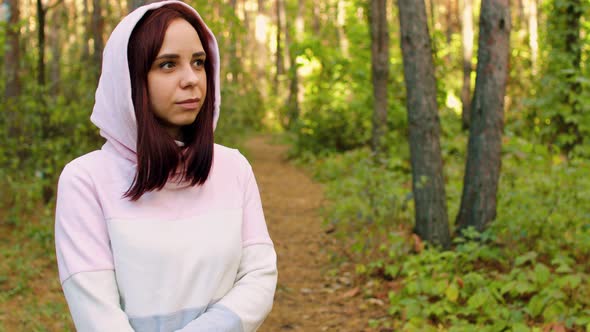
x=133 y=4
x=233 y=44
x=87 y=28
x=41 y=41
x=467 y=27
x=340 y=23
x=533 y=33
x=482 y=171
x=97 y=33
x=316 y=17
x=424 y=127
x=262 y=54
x=55 y=46
x=12 y=54
x=293 y=99
x=280 y=60
x=380 y=69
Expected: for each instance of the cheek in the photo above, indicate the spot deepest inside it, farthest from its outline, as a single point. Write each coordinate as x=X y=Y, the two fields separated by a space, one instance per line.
x=203 y=83
x=158 y=90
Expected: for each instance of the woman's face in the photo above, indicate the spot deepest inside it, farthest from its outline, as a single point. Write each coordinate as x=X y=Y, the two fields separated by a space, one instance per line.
x=177 y=82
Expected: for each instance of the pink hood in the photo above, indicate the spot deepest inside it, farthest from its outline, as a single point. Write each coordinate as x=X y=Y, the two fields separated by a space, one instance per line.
x=113 y=111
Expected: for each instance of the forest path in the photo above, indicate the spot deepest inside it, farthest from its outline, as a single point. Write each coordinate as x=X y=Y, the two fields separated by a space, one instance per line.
x=308 y=297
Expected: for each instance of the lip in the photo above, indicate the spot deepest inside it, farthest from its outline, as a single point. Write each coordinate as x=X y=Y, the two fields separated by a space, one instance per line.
x=189 y=103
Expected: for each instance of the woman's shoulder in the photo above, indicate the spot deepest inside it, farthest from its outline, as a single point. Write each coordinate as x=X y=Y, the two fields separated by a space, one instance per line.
x=86 y=165
x=231 y=162
x=230 y=155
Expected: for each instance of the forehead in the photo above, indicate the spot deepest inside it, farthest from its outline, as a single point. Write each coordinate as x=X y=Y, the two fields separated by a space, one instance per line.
x=181 y=36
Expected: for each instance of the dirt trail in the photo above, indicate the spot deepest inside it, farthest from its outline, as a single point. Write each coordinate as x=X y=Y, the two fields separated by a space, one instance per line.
x=308 y=298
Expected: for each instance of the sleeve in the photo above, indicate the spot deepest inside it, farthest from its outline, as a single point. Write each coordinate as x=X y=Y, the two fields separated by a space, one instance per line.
x=84 y=257
x=246 y=305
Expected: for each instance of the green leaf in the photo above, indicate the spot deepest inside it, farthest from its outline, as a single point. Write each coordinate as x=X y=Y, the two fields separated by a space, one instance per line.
x=536 y=305
x=520 y=327
x=555 y=311
x=528 y=257
x=570 y=281
x=477 y=300
x=542 y=273
x=452 y=292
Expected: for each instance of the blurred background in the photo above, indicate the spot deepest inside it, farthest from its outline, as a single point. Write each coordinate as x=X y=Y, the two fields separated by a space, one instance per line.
x=311 y=75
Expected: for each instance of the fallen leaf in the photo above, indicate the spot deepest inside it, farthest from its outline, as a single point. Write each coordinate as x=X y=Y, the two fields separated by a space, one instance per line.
x=554 y=327
x=418 y=244
x=460 y=282
x=350 y=293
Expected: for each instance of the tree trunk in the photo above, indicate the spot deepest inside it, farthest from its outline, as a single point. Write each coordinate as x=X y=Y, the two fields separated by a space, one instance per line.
x=316 y=17
x=87 y=28
x=41 y=43
x=262 y=56
x=424 y=127
x=340 y=23
x=280 y=61
x=55 y=46
x=133 y=4
x=293 y=99
x=533 y=33
x=467 y=26
x=380 y=69
x=12 y=56
x=482 y=171
x=450 y=18
x=233 y=45
x=97 y=32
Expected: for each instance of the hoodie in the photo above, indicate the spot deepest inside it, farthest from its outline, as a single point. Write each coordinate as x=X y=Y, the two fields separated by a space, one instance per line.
x=183 y=258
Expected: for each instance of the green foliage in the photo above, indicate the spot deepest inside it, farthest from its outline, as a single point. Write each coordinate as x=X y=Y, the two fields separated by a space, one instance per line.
x=561 y=112
x=526 y=271
x=337 y=110
x=41 y=134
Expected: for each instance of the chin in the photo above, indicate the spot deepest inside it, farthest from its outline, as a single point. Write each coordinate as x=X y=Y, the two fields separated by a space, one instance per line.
x=186 y=121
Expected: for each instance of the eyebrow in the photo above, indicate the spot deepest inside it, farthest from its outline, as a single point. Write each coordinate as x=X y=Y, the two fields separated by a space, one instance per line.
x=176 y=56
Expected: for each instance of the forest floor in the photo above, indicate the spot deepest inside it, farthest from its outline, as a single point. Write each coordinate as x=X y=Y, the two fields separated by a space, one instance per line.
x=316 y=291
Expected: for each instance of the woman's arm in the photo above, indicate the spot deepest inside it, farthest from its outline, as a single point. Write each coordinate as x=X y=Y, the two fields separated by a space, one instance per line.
x=84 y=256
x=246 y=305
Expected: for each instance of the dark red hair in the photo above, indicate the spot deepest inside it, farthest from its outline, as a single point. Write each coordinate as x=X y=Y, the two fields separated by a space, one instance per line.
x=159 y=158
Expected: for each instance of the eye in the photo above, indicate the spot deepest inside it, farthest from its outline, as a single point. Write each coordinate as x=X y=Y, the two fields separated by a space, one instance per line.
x=167 y=65
x=199 y=63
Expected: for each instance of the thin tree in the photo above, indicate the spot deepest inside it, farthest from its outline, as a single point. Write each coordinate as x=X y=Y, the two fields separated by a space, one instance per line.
x=280 y=57
x=97 y=34
x=261 y=56
x=380 y=69
x=41 y=17
x=55 y=43
x=482 y=171
x=12 y=53
x=467 y=27
x=424 y=127
x=533 y=33
x=132 y=4
x=293 y=99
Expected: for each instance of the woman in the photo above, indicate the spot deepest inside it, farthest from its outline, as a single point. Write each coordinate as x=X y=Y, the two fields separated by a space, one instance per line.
x=161 y=229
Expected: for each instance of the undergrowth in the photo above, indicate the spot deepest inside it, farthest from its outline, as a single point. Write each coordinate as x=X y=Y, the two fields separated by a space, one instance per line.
x=527 y=272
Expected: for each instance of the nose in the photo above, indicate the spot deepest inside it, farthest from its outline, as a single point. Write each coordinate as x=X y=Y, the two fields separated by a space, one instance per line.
x=190 y=77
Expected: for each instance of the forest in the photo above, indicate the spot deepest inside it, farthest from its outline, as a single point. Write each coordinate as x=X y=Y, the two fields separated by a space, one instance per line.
x=451 y=140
